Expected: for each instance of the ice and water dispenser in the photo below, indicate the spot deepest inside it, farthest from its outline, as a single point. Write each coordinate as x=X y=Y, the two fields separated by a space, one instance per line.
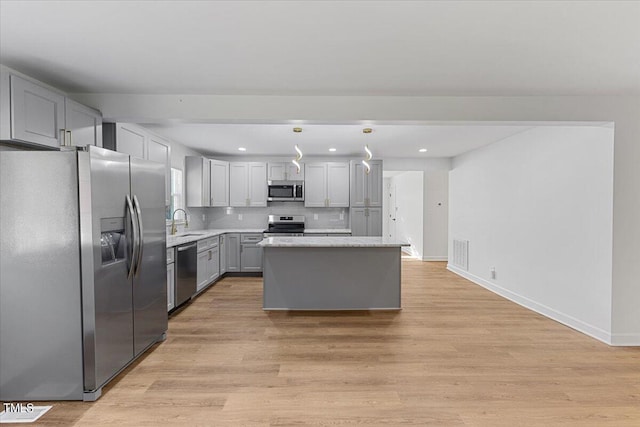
x=112 y=240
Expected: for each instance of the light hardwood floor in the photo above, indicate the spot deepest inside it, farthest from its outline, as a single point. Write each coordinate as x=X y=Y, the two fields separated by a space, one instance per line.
x=455 y=355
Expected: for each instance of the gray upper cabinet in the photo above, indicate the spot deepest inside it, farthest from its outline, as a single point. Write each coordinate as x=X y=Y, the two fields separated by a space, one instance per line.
x=366 y=189
x=248 y=184
x=83 y=124
x=33 y=114
x=284 y=171
x=37 y=114
x=131 y=140
x=327 y=184
x=159 y=150
x=136 y=141
x=219 y=184
x=198 y=181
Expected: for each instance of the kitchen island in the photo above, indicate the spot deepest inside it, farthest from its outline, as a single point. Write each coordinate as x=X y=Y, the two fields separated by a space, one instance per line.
x=331 y=273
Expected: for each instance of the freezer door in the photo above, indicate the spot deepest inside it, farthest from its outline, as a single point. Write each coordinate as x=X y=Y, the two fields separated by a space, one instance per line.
x=150 y=275
x=106 y=228
x=40 y=316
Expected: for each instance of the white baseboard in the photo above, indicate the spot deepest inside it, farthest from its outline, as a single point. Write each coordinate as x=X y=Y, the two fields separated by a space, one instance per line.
x=625 y=339
x=565 y=319
x=435 y=258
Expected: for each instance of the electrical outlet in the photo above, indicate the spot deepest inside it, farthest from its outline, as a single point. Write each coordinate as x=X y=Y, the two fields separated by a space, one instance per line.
x=493 y=273
x=315 y=217
x=239 y=217
x=204 y=218
x=341 y=216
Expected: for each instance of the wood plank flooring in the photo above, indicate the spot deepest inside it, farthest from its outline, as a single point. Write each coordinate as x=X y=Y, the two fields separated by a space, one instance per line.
x=455 y=355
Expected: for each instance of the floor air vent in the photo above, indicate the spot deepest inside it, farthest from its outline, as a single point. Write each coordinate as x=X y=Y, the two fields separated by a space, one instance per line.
x=461 y=254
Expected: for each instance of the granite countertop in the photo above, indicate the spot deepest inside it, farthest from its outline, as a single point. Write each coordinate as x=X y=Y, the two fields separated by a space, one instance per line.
x=330 y=242
x=327 y=230
x=195 y=235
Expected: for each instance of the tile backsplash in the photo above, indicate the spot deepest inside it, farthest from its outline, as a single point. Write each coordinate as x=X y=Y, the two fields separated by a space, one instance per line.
x=217 y=218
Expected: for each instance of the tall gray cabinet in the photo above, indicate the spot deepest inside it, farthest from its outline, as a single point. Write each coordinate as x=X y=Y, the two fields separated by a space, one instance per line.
x=366 y=199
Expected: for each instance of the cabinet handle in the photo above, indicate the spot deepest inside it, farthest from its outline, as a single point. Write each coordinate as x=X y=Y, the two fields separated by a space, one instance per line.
x=70 y=140
x=209 y=255
x=63 y=137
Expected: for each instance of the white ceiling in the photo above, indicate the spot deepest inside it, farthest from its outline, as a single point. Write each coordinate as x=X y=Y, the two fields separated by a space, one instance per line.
x=386 y=141
x=405 y=48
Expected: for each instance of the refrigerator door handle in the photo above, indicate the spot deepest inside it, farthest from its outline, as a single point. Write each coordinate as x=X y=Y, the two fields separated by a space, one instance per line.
x=134 y=245
x=136 y=205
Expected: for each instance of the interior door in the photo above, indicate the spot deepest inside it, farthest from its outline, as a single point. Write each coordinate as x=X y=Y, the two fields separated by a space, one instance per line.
x=150 y=279
x=393 y=210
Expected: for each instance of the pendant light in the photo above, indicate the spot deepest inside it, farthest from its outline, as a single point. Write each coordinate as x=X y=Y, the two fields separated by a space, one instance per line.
x=296 y=161
x=369 y=155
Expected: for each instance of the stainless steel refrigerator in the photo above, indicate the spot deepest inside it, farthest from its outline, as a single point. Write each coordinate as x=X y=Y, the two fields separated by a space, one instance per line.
x=82 y=270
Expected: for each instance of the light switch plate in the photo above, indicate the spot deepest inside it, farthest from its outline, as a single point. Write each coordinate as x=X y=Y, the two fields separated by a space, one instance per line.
x=315 y=217
x=239 y=217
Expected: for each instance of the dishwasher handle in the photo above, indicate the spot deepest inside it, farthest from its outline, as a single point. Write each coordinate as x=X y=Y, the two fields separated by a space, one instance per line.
x=184 y=248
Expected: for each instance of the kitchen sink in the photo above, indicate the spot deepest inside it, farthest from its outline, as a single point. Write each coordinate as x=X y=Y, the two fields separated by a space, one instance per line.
x=189 y=234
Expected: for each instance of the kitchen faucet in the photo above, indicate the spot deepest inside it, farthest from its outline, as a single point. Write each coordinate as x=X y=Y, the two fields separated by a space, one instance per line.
x=174 y=228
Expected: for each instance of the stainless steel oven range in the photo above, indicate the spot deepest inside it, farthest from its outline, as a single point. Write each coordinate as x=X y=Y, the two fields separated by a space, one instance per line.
x=285 y=225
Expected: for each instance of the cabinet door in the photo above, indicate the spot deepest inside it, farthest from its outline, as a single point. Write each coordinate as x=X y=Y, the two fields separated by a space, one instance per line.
x=233 y=252
x=358 y=184
x=250 y=258
x=219 y=183
x=131 y=140
x=159 y=151
x=292 y=173
x=338 y=184
x=223 y=254
x=358 y=222
x=315 y=185
x=374 y=184
x=214 y=263
x=37 y=114
x=238 y=184
x=171 y=278
x=197 y=181
x=276 y=171
x=374 y=222
x=202 y=277
x=257 y=184
x=84 y=123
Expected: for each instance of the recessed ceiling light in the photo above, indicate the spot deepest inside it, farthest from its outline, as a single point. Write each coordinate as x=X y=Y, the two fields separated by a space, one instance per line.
x=332 y=149
x=242 y=149
x=423 y=150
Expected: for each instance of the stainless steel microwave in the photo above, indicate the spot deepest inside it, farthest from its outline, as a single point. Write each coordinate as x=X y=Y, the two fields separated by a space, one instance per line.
x=285 y=191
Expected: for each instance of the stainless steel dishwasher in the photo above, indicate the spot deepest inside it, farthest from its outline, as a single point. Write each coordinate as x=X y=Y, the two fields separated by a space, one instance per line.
x=186 y=272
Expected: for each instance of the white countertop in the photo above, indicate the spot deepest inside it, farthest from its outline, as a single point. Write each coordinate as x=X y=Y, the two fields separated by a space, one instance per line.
x=330 y=242
x=195 y=235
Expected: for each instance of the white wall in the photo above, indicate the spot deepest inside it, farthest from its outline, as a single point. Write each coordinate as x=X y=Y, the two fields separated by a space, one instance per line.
x=410 y=212
x=624 y=110
x=538 y=207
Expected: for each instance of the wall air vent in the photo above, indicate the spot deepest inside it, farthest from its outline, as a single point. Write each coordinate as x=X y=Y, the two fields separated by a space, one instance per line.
x=461 y=254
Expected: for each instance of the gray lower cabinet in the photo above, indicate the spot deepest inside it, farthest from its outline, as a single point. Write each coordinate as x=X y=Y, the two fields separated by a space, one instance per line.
x=232 y=242
x=223 y=254
x=250 y=253
x=171 y=279
x=366 y=221
x=208 y=262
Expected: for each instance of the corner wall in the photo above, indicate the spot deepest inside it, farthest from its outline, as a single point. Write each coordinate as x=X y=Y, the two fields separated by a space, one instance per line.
x=538 y=206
